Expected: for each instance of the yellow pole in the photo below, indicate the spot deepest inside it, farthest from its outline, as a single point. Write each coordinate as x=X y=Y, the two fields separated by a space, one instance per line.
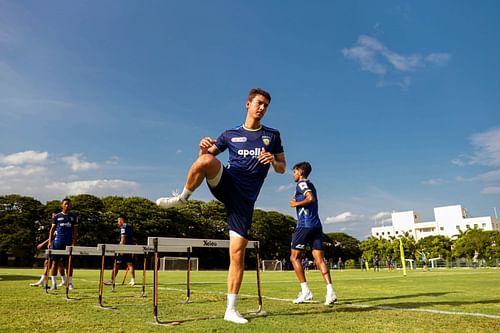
x=403 y=261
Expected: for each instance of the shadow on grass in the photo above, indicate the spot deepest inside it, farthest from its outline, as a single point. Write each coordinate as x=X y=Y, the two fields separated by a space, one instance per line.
x=381 y=298
x=19 y=277
x=457 y=303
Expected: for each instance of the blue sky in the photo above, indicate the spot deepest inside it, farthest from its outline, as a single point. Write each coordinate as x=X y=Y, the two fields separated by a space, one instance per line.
x=395 y=104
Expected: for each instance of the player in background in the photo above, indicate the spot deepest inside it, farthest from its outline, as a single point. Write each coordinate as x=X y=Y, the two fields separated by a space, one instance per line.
x=41 y=282
x=126 y=238
x=63 y=232
x=252 y=148
x=308 y=232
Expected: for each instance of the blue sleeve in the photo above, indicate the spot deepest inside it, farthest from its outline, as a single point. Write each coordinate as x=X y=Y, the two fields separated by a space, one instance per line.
x=277 y=146
x=221 y=142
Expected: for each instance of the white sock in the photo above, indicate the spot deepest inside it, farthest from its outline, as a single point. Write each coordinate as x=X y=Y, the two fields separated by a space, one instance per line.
x=185 y=194
x=54 y=279
x=132 y=280
x=329 y=288
x=63 y=278
x=304 y=287
x=231 y=301
x=70 y=280
x=42 y=279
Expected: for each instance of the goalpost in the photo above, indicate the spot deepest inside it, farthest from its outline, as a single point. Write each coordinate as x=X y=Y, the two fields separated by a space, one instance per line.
x=271 y=265
x=178 y=263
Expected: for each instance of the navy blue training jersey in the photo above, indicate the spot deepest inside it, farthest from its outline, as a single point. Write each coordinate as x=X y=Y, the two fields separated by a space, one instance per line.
x=126 y=230
x=244 y=146
x=307 y=216
x=64 y=227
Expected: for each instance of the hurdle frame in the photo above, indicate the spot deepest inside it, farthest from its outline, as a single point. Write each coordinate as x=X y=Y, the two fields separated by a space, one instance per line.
x=202 y=243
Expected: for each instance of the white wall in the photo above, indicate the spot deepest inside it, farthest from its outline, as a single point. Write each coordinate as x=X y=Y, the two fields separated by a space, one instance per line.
x=448 y=221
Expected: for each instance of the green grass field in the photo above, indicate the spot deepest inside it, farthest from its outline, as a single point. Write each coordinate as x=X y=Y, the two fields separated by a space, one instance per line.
x=457 y=300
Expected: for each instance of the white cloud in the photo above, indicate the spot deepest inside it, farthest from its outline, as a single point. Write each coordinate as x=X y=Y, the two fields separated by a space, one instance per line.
x=28 y=173
x=76 y=164
x=284 y=188
x=491 y=190
x=12 y=171
x=382 y=218
x=434 y=181
x=438 y=58
x=376 y=58
x=458 y=162
x=96 y=187
x=24 y=157
x=487 y=147
x=343 y=218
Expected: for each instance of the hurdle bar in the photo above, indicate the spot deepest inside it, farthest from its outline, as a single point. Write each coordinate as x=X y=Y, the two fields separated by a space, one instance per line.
x=203 y=243
x=115 y=249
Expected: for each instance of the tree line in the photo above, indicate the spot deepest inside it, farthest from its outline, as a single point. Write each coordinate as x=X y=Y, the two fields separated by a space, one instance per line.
x=25 y=222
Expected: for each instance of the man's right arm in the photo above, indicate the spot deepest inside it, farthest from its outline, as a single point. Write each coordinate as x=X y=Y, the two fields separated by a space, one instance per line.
x=207 y=146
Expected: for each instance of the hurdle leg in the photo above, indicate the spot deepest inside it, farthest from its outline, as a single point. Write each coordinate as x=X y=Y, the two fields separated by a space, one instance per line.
x=113 y=274
x=101 y=280
x=143 y=294
x=69 y=272
x=155 y=280
x=259 y=311
x=188 y=278
x=49 y=264
x=125 y=275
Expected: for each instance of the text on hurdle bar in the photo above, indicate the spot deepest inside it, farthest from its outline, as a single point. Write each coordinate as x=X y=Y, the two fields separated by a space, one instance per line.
x=198 y=242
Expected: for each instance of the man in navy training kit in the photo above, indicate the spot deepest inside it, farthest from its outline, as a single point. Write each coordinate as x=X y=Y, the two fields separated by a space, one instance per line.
x=126 y=238
x=252 y=148
x=63 y=232
x=308 y=232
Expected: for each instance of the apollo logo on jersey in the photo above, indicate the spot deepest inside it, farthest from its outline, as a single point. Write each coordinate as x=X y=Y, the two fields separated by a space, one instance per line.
x=250 y=152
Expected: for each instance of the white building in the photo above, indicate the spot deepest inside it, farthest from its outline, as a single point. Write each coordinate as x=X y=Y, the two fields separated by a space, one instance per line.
x=449 y=221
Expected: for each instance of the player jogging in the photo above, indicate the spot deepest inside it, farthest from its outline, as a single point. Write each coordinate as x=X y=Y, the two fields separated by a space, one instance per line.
x=252 y=148
x=308 y=232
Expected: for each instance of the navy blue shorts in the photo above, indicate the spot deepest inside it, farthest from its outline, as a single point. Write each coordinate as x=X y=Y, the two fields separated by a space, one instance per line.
x=307 y=236
x=125 y=259
x=58 y=246
x=238 y=208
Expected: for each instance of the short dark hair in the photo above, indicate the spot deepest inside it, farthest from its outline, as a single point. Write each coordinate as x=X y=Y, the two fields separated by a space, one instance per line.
x=66 y=199
x=121 y=216
x=258 y=91
x=305 y=167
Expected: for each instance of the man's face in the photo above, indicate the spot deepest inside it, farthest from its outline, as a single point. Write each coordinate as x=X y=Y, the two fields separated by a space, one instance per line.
x=296 y=174
x=65 y=206
x=120 y=221
x=257 y=107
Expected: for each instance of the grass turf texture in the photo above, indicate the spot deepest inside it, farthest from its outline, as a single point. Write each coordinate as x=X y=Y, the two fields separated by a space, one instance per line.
x=437 y=301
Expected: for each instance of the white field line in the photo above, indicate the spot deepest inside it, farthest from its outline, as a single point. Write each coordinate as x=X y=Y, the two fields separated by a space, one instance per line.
x=379 y=307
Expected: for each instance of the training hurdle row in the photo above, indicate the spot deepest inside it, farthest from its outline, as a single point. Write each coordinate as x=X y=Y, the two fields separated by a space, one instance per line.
x=160 y=242
x=107 y=250
x=156 y=245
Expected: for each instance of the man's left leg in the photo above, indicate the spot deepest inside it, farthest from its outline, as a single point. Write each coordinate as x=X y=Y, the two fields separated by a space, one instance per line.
x=237 y=247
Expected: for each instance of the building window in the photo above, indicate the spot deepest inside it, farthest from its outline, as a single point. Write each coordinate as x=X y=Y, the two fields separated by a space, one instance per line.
x=377 y=233
x=388 y=232
x=441 y=228
x=475 y=225
x=467 y=225
x=397 y=232
x=484 y=225
x=458 y=227
x=382 y=233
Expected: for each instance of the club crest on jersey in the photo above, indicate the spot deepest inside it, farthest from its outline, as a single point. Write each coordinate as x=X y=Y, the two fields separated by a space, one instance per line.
x=266 y=140
x=239 y=139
